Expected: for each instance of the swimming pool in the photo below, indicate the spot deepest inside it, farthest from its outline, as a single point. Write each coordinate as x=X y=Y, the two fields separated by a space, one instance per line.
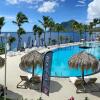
x=60 y=67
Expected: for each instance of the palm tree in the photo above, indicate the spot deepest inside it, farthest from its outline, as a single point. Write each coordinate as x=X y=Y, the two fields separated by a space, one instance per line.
x=95 y=21
x=35 y=30
x=11 y=39
x=20 y=20
x=85 y=29
x=51 y=25
x=39 y=31
x=54 y=41
x=45 y=25
x=80 y=29
x=2 y=22
x=59 y=28
x=20 y=32
x=66 y=39
x=61 y=38
x=99 y=21
x=90 y=29
x=74 y=27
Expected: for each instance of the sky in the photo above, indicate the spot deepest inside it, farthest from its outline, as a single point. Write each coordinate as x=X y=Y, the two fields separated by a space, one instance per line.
x=60 y=10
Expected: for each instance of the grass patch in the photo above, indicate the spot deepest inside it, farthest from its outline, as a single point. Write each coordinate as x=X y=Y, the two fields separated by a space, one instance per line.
x=2 y=51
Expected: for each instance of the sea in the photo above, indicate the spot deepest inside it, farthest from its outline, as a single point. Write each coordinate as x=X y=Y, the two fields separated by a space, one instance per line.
x=28 y=38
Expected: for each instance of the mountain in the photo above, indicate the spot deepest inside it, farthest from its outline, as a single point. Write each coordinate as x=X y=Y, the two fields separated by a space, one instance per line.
x=68 y=25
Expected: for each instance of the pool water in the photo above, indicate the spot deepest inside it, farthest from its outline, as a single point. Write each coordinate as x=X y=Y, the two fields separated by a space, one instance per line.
x=60 y=65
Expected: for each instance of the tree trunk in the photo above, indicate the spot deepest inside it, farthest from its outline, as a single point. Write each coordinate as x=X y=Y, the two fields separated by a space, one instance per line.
x=10 y=46
x=81 y=37
x=39 y=40
x=73 y=35
x=58 y=37
x=50 y=37
x=18 y=46
x=35 y=37
x=44 y=38
x=1 y=40
x=85 y=35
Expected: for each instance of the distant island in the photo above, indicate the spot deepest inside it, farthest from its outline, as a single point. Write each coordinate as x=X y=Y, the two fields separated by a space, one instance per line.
x=68 y=26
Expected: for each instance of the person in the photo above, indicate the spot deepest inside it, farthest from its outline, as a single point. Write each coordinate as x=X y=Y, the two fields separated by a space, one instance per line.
x=71 y=98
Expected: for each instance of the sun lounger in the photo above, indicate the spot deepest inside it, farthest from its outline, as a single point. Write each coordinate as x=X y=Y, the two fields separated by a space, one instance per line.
x=35 y=79
x=25 y=84
x=78 y=84
x=92 y=81
x=92 y=85
x=89 y=86
x=28 y=82
x=35 y=82
x=11 y=53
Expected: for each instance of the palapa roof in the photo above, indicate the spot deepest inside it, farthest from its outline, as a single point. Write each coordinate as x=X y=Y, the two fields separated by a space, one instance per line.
x=31 y=60
x=84 y=61
x=2 y=62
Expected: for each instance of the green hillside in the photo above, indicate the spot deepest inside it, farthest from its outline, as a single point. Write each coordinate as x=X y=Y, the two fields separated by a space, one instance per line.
x=68 y=25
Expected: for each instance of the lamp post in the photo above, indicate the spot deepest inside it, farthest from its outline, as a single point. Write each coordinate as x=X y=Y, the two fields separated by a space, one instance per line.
x=5 y=78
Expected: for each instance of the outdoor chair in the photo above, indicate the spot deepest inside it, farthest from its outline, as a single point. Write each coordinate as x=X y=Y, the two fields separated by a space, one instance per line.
x=11 y=53
x=92 y=81
x=25 y=84
x=35 y=79
x=35 y=82
x=91 y=84
x=79 y=86
x=78 y=82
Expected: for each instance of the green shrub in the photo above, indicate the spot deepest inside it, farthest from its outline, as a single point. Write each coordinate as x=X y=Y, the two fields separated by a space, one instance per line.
x=2 y=98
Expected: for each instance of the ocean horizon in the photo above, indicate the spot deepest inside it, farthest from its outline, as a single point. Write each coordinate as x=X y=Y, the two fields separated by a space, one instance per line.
x=29 y=36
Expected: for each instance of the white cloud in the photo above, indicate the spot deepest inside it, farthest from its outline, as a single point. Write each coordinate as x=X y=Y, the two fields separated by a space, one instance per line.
x=48 y=6
x=8 y=17
x=20 y=1
x=12 y=1
x=81 y=1
x=39 y=5
x=79 y=5
x=93 y=10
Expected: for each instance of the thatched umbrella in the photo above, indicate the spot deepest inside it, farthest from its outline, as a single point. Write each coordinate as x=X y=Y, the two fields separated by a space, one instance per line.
x=31 y=59
x=2 y=62
x=84 y=61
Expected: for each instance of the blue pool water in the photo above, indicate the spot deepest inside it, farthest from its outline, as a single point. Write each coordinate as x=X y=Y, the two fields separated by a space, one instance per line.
x=60 y=65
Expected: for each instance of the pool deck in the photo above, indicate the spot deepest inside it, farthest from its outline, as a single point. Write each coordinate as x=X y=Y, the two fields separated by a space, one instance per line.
x=60 y=88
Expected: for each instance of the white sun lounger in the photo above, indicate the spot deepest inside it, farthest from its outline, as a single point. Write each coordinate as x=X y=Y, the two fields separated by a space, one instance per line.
x=11 y=53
